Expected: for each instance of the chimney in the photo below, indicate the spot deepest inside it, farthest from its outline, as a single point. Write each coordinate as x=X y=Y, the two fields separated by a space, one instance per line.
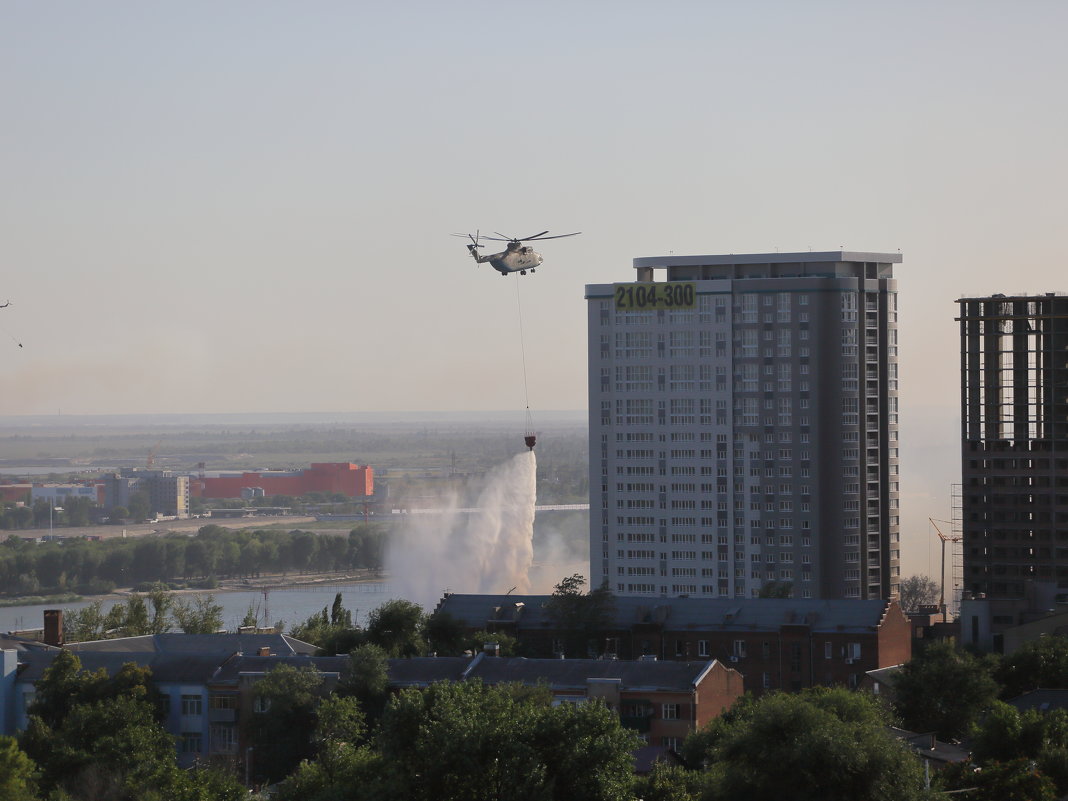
x=265 y=651
x=53 y=627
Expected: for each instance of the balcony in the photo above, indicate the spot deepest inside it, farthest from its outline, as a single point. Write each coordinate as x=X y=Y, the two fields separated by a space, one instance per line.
x=222 y=715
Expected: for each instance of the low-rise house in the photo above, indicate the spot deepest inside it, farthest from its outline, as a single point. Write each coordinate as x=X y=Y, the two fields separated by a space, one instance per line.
x=662 y=701
x=183 y=668
x=207 y=684
x=777 y=644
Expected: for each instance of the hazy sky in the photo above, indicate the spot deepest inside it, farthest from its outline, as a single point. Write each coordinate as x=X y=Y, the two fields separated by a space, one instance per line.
x=246 y=206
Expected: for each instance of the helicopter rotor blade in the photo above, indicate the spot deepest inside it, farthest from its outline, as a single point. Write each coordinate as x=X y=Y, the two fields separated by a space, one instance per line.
x=558 y=236
x=528 y=238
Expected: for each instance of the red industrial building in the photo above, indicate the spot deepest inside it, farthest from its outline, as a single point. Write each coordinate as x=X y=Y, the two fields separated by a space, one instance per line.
x=345 y=478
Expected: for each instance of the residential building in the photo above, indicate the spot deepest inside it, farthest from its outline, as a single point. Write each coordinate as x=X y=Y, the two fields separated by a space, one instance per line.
x=1014 y=460
x=744 y=427
x=775 y=643
x=167 y=492
x=207 y=684
x=663 y=701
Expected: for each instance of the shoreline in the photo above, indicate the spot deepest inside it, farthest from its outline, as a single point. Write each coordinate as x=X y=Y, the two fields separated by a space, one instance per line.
x=266 y=583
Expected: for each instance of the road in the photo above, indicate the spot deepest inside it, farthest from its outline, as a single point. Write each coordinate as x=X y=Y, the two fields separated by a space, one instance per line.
x=189 y=526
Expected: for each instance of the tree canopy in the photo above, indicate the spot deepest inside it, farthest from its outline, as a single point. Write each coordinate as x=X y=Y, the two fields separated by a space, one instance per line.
x=1039 y=663
x=582 y=619
x=818 y=745
x=99 y=738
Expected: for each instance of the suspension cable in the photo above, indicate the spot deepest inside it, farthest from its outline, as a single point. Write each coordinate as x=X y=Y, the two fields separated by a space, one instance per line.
x=523 y=351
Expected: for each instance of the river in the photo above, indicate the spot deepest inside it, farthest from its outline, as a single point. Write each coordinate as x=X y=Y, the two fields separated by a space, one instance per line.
x=293 y=605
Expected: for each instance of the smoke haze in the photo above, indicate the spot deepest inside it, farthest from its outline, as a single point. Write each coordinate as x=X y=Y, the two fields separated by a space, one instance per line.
x=487 y=551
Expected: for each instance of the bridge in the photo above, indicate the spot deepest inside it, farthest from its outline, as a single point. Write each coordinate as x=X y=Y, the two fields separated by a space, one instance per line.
x=467 y=510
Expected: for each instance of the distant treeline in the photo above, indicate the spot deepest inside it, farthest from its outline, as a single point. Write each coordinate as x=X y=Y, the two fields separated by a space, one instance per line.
x=91 y=567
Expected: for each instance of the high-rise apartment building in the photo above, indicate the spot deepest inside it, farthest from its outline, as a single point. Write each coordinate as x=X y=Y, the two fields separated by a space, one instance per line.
x=743 y=427
x=1014 y=442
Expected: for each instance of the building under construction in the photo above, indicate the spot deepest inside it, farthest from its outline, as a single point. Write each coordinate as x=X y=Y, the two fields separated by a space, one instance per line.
x=1014 y=438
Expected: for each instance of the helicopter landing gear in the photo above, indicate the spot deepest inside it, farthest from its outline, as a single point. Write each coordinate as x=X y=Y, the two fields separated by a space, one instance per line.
x=522 y=272
x=532 y=271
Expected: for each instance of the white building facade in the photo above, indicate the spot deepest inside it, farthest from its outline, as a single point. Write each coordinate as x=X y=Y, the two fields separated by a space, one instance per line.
x=743 y=427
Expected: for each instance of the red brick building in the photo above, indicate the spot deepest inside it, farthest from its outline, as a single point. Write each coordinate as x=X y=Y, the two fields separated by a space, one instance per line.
x=777 y=644
x=345 y=478
x=15 y=493
x=663 y=701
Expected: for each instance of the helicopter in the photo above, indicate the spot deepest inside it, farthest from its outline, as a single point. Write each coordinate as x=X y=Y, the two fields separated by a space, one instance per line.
x=516 y=257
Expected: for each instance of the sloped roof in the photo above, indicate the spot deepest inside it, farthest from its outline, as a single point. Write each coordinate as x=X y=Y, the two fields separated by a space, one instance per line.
x=928 y=747
x=646 y=758
x=175 y=643
x=1042 y=699
x=12 y=642
x=166 y=668
x=709 y=614
x=232 y=669
x=418 y=671
x=565 y=674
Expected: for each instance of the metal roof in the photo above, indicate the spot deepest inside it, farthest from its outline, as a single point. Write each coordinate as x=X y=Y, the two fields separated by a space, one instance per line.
x=708 y=614
x=833 y=256
x=197 y=643
x=565 y=674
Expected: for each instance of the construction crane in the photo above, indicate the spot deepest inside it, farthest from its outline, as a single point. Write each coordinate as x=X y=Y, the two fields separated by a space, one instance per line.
x=942 y=574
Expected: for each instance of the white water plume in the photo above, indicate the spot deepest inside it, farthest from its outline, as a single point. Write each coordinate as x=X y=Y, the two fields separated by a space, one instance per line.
x=488 y=550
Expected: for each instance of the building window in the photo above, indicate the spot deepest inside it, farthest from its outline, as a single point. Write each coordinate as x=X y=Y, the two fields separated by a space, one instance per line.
x=224 y=739
x=670 y=711
x=702 y=648
x=739 y=649
x=261 y=704
x=670 y=742
x=192 y=705
x=191 y=742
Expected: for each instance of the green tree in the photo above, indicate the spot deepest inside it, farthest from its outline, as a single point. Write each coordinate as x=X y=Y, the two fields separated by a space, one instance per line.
x=98 y=738
x=140 y=506
x=1005 y=735
x=777 y=589
x=288 y=699
x=943 y=689
x=583 y=619
x=128 y=619
x=202 y=615
x=251 y=619
x=331 y=630
x=343 y=764
x=445 y=634
x=825 y=745
x=397 y=627
x=367 y=680
x=463 y=740
x=1039 y=663
x=917 y=591
x=77 y=511
x=670 y=783
x=16 y=772
x=1017 y=780
x=507 y=645
x=85 y=624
